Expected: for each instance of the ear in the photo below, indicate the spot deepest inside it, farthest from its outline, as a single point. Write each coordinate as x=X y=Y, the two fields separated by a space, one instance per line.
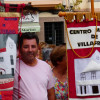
x=58 y=62
x=39 y=47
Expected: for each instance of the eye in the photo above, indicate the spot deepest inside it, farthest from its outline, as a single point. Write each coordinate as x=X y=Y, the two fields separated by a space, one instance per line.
x=25 y=46
x=33 y=46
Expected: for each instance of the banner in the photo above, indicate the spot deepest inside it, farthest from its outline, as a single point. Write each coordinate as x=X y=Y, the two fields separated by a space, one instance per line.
x=8 y=25
x=83 y=60
x=8 y=41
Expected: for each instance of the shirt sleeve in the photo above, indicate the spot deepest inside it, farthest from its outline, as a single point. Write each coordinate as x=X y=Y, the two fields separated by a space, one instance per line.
x=51 y=81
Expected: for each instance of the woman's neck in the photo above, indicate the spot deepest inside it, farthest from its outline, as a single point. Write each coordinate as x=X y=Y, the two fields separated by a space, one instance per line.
x=60 y=73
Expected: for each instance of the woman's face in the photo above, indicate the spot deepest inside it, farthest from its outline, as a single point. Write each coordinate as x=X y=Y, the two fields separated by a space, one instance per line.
x=63 y=63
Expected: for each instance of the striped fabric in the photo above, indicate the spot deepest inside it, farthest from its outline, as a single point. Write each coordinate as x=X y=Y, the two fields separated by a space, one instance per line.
x=13 y=7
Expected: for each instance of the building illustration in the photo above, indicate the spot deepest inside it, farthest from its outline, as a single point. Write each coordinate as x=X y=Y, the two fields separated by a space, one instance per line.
x=87 y=77
x=8 y=58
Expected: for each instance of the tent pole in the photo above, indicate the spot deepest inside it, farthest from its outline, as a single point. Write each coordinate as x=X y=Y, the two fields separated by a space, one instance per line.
x=92 y=7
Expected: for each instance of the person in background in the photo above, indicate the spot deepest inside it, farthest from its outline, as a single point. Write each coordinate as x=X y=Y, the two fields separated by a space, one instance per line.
x=59 y=61
x=46 y=55
x=33 y=77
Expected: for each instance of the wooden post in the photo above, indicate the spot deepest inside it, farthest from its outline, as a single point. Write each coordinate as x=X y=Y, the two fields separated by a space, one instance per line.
x=92 y=7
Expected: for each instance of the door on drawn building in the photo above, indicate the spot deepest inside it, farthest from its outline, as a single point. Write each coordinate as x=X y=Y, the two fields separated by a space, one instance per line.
x=54 y=32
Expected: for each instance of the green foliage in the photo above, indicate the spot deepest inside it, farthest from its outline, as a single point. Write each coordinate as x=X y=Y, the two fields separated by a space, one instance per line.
x=76 y=3
x=60 y=6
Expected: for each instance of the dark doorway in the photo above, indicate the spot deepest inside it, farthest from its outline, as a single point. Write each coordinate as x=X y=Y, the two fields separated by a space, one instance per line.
x=95 y=89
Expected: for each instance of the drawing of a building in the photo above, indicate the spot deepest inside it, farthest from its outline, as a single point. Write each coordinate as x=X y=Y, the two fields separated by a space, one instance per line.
x=89 y=83
x=8 y=58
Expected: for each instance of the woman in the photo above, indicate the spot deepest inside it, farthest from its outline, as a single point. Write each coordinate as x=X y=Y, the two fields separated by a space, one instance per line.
x=59 y=61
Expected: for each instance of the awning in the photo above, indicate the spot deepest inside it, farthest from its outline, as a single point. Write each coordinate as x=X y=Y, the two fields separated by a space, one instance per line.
x=36 y=3
x=30 y=27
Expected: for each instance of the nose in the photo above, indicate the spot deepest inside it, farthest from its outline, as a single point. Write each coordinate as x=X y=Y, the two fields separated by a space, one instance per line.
x=30 y=48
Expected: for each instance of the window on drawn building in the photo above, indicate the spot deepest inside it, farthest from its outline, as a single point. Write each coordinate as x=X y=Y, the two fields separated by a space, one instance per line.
x=93 y=75
x=83 y=76
x=54 y=32
x=83 y=89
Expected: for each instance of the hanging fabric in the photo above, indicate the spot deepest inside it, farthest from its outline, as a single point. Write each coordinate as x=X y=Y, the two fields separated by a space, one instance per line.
x=8 y=25
x=83 y=52
x=8 y=42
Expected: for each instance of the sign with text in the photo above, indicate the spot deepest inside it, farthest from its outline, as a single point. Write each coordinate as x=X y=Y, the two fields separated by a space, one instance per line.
x=82 y=35
x=30 y=27
x=83 y=60
x=9 y=25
